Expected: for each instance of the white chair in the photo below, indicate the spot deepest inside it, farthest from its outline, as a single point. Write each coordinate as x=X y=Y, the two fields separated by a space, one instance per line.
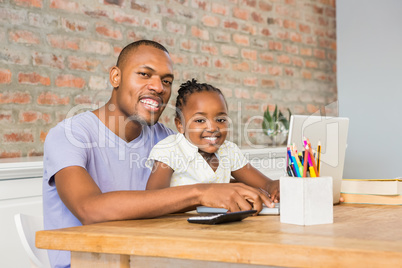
x=26 y=227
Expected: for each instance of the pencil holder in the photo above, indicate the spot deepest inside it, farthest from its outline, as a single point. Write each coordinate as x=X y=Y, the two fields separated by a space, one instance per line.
x=306 y=201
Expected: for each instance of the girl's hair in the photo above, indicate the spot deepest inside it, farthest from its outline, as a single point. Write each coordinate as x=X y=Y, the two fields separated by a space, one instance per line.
x=190 y=87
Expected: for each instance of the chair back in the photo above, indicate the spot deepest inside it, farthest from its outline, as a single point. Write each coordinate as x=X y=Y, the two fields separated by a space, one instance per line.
x=27 y=226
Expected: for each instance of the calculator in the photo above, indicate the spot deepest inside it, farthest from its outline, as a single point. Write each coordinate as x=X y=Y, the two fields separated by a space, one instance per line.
x=222 y=218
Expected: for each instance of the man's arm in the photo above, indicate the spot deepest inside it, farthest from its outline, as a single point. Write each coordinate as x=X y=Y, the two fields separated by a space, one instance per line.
x=84 y=199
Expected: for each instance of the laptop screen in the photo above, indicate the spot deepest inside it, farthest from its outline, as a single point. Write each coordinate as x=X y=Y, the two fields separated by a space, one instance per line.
x=331 y=133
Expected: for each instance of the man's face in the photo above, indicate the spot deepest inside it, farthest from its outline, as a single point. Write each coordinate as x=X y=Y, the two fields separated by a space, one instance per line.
x=205 y=121
x=143 y=84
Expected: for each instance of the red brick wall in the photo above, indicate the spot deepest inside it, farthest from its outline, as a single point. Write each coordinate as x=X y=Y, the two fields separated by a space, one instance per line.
x=55 y=56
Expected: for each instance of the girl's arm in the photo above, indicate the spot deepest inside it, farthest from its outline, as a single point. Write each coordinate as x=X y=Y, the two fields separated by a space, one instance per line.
x=253 y=177
x=160 y=176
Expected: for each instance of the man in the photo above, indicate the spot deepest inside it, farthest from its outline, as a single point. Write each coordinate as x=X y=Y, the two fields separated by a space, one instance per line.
x=94 y=162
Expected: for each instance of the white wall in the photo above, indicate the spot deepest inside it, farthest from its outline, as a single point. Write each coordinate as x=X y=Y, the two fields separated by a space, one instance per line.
x=369 y=42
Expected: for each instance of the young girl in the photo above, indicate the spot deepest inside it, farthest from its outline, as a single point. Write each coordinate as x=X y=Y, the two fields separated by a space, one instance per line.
x=199 y=153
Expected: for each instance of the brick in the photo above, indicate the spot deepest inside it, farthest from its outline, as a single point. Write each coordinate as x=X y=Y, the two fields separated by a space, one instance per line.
x=230 y=51
x=10 y=154
x=230 y=25
x=306 y=51
x=199 y=33
x=29 y=116
x=29 y=3
x=165 y=41
x=304 y=28
x=63 y=42
x=232 y=79
x=123 y=18
x=221 y=63
x=33 y=153
x=240 y=13
x=298 y=61
x=42 y=135
x=97 y=47
x=260 y=68
x=212 y=78
x=142 y=7
x=219 y=9
x=74 y=25
x=68 y=80
x=289 y=71
x=107 y=31
x=179 y=59
x=241 y=39
x=250 y=81
x=307 y=75
x=84 y=64
x=311 y=108
x=33 y=79
x=222 y=37
x=249 y=54
x=15 y=97
x=200 y=61
x=267 y=56
x=275 y=70
x=189 y=45
x=296 y=37
x=6 y=117
x=242 y=94
x=209 y=48
x=5 y=76
x=272 y=45
x=292 y=49
x=82 y=99
x=242 y=66
x=113 y=2
x=47 y=118
x=210 y=21
x=23 y=37
x=260 y=95
x=311 y=64
x=265 y=5
x=153 y=24
x=65 y=5
x=285 y=59
x=93 y=12
x=282 y=35
x=49 y=98
x=97 y=82
x=249 y=28
x=249 y=3
x=265 y=32
x=201 y=4
x=319 y=53
x=177 y=28
x=285 y=84
x=47 y=59
x=257 y=17
x=282 y=11
x=18 y=136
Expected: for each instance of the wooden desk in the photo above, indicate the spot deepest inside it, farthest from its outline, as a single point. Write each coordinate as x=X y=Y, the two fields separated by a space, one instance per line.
x=361 y=236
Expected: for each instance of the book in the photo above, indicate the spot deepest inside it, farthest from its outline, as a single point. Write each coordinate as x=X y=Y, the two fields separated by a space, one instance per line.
x=372 y=187
x=372 y=199
x=265 y=210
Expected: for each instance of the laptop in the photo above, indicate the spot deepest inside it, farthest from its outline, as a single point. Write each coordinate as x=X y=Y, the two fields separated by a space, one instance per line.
x=332 y=133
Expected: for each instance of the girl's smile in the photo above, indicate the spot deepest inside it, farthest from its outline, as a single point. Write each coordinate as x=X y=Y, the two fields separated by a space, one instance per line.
x=204 y=121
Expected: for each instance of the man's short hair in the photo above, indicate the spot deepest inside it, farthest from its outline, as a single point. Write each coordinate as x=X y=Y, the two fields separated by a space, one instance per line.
x=134 y=45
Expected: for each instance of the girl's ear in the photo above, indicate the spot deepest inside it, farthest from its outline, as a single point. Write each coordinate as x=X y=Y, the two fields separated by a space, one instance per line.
x=115 y=76
x=179 y=125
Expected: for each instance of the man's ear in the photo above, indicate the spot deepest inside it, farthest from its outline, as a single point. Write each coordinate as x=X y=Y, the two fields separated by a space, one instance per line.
x=115 y=76
x=179 y=125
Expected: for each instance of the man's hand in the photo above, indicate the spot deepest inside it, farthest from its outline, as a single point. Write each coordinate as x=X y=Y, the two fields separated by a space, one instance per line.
x=233 y=197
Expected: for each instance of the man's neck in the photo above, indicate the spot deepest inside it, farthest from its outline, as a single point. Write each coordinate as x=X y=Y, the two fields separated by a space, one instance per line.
x=119 y=124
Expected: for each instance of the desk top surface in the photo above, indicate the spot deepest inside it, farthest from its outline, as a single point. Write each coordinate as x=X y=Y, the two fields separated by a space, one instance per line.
x=360 y=234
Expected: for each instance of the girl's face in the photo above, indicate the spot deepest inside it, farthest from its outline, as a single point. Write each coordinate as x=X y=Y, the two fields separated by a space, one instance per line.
x=205 y=121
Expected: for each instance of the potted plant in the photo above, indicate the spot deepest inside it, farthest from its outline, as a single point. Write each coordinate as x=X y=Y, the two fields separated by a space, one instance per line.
x=276 y=125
